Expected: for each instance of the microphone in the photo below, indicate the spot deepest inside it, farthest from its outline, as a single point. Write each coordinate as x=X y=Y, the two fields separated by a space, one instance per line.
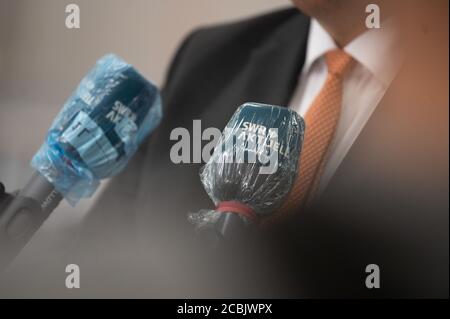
x=251 y=170
x=93 y=137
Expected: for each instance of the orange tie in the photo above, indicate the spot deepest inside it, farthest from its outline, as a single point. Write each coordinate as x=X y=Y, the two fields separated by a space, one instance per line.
x=321 y=122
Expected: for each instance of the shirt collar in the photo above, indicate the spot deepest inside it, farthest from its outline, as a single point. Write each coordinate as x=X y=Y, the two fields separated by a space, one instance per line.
x=319 y=43
x=373 y=49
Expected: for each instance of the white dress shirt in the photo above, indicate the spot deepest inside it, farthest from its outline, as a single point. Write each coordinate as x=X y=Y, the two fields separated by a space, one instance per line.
x=363 y=86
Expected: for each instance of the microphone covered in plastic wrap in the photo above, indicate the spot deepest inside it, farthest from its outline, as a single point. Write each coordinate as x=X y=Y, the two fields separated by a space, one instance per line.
x=253 y=166
x=98 y=129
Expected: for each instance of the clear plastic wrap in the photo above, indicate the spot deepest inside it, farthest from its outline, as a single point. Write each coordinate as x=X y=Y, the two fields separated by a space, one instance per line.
x=255 y=162
x=98 y=129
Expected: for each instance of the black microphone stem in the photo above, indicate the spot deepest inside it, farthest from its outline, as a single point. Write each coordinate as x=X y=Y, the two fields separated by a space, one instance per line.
x=24 y=215
x=230 y=227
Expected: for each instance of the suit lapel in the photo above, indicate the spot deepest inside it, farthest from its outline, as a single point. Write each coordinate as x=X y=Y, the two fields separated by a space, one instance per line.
x=274 y=68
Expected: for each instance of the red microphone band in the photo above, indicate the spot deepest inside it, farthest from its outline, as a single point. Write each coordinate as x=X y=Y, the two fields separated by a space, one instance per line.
x=237 y=208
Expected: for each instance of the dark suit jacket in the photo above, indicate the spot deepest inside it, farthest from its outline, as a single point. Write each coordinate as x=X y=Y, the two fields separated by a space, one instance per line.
x=386 y=204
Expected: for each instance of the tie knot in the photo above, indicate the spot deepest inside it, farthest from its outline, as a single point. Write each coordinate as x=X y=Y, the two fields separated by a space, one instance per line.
x=338 y=62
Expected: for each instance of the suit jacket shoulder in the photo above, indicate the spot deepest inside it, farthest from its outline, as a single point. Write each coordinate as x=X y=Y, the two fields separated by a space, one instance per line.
x=210 y=58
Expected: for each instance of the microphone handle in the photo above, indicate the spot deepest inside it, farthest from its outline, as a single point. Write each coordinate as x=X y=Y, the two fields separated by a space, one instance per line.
x=230 y=227
x=230 y=224
x=24 y=216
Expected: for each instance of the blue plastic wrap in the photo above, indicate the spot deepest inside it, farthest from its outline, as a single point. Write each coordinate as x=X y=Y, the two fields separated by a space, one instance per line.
x=255 y=161
x=98 y=129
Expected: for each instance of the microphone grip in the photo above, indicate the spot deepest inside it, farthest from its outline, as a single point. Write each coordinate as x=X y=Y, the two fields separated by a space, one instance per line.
x=24 y=216
x=230 y=227
x=42 y=191
x=230 y=224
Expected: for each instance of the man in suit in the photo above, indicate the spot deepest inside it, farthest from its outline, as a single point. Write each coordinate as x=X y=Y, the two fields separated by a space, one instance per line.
x=366 y=180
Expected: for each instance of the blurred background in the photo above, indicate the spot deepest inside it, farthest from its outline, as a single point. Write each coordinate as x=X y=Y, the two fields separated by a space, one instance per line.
x=41 y=63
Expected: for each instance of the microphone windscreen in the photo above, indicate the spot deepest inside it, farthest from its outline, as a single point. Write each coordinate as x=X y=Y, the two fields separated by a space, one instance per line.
x=98 y=129
x=255 y=161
